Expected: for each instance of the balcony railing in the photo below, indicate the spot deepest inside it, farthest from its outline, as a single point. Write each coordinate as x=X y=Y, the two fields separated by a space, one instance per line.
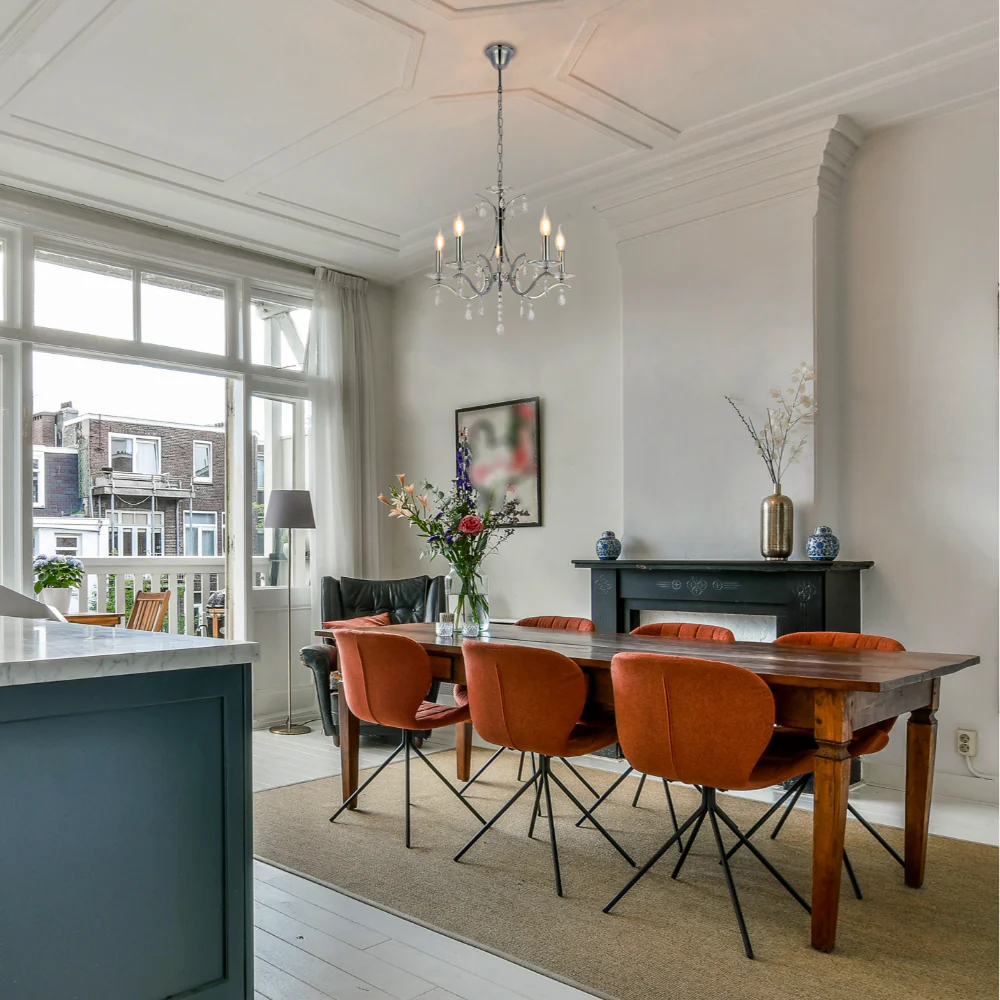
x=107 y=481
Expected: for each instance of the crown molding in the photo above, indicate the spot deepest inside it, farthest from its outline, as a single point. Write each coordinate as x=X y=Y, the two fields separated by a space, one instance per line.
x=812 y=158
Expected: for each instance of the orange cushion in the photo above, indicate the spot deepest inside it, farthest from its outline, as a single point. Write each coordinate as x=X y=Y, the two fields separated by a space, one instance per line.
x=362 y=622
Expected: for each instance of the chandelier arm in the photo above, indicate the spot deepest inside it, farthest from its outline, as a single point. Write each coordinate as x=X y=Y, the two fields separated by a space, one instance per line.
x=526 y=292
x=477 y=292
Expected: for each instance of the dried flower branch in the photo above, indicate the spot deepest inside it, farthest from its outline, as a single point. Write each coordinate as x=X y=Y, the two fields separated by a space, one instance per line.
x=783 y=435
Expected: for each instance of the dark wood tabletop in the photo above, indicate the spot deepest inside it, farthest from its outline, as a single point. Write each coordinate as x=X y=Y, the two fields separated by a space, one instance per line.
x=800 y=666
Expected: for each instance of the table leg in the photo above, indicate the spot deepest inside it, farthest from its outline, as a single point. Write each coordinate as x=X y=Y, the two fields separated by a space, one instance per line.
x=350 y=733
x=463 y=750
x=830 y=778
x=921 y=742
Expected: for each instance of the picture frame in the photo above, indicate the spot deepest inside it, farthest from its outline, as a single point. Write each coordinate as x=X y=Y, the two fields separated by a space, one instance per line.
x=505 y=447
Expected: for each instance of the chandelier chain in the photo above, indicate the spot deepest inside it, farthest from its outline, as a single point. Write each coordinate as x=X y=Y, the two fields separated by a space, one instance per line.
x=500 y=133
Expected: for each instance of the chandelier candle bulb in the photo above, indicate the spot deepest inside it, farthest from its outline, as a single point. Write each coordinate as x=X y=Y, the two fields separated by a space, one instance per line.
x=439 y=248
x=545 y=228
x=459 y=230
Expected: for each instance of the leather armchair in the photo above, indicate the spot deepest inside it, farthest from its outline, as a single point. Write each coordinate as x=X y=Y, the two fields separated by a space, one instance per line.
x=416 y=599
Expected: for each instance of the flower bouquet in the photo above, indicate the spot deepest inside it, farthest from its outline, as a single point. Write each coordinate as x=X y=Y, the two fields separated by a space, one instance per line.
x=454 y=527
x=55 y=576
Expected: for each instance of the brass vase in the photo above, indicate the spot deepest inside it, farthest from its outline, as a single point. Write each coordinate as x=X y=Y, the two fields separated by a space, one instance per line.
x=776 y=519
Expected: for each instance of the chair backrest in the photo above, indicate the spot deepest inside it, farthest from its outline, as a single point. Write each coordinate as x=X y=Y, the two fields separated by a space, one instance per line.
x=554 y=621
x=698 y=721
x=384 y=677
x=840 y=640
x=415 y=599
x=685 y=630
x=527 y=699
x=149 y=608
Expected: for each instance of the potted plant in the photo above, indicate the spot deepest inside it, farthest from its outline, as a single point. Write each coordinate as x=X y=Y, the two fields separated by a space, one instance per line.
x=55 y=578
x=455 y=527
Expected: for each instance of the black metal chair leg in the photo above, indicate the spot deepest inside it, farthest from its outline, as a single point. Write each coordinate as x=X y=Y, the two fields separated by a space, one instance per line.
x=638 y=791
x=849 y=868
x=670 y=807
x=536 y=809
x=451 y=788
x=733 y=894
x=524 y=787
x=607 y=836
x=770 y=812
x=583 y=781
x=350 y=798
x=546 y=774
x=878 y=836
x=520 y=766
x=407 y=740
x=476 y=776
x=801 y=787
x=698 y=814
x=614 y=785
x=760 y=857
x=690 y=843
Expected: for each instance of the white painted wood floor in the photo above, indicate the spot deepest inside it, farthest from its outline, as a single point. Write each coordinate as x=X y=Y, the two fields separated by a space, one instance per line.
x=313 y=943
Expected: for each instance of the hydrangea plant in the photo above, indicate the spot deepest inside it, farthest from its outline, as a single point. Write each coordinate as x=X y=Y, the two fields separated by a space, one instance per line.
x=58 y=572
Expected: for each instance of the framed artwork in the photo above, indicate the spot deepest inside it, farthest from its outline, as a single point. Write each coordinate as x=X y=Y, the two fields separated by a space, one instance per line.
x=505 y=452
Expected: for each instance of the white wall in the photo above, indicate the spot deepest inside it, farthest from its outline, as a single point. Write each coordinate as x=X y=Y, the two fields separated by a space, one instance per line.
x=719 y=306
x=570 y=356
x=920 y=410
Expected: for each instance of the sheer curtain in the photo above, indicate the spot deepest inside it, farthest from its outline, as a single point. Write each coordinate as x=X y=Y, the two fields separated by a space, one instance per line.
x=342 y=438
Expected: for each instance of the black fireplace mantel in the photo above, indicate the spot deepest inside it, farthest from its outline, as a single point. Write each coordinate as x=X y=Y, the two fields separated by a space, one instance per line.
x=802 y=596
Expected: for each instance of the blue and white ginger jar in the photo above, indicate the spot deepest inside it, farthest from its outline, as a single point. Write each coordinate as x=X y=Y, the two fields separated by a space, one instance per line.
x=822 y=545
x=608 y=547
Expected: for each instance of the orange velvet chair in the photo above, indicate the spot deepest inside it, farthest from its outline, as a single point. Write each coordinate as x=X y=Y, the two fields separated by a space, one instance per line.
x=664 y=706
x=385 y=679
x=532 y=700
x=539 y=621
x=869 y=739
x=669 y=630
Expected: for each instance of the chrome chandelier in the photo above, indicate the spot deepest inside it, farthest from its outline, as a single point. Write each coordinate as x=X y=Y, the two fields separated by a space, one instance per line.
x=527 y=279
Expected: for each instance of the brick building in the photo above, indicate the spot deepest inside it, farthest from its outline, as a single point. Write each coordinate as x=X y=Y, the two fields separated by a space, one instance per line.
x=154 y=487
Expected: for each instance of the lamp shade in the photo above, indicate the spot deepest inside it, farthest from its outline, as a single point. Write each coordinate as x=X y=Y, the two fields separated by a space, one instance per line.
x=289 y=509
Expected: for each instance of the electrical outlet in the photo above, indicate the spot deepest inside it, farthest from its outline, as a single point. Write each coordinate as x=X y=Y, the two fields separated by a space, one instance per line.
x=967 y=740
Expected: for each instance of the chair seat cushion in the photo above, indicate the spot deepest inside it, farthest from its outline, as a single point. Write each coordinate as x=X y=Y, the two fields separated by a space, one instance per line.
x=430 y=715
x=461 y=694
x=588 y=736
x=790 y=752
x=363 y=622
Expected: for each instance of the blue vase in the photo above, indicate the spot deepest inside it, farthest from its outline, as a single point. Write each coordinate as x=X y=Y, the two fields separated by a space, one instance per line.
x=608 y=547
x=822 y=545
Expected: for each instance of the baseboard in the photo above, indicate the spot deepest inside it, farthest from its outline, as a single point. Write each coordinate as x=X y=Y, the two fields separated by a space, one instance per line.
x=956 y=786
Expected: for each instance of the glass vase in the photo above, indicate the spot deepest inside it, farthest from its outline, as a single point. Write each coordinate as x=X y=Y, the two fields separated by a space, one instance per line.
x=469 y=602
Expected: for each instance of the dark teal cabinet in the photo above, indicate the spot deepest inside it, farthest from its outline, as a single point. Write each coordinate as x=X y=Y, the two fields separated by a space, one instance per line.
x=125 y=837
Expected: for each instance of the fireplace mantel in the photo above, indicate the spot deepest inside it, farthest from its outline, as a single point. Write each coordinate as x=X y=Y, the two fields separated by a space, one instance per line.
x=802 y=596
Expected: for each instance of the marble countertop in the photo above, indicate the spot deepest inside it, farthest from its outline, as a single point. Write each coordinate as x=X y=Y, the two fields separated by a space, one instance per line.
x=33 y=651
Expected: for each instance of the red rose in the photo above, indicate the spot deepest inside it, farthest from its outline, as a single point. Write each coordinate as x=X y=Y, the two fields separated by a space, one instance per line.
x=471 y=525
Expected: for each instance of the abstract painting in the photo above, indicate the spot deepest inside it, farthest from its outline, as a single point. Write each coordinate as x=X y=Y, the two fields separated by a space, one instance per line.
x=505 y=450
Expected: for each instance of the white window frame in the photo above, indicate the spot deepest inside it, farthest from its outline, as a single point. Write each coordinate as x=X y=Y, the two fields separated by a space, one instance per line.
x=195 y=478
x=27 y=220
x=76 y=550
x=134 y=438
x=213 y=528
x=38 y=465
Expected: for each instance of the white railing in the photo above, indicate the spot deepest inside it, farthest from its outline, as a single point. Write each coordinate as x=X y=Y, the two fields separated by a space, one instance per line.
x=190 y=580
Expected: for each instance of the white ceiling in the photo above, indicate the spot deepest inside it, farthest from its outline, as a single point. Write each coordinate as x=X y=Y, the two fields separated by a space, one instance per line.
x=348 y=131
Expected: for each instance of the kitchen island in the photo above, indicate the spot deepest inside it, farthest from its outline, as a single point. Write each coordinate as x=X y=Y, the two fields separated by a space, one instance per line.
x=125 y=837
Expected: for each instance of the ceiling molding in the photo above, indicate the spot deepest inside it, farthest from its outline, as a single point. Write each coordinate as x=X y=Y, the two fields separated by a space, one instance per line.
x=814 y=159
x=453 y=13
x=24 y=26
x=567 y=76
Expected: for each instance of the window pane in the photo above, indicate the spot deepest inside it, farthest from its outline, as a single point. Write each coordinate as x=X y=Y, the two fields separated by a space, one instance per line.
x=82 y=296
x=185 y=314
x=279 y=332
x=3 y=258
x=121 y=454
x=202 y=461
x=147 y=457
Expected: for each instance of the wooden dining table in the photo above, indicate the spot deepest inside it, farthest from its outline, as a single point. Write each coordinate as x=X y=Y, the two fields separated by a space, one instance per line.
x=831 y=692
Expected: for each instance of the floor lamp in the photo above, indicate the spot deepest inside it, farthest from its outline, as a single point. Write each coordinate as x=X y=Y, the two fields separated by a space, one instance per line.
x=289 y=509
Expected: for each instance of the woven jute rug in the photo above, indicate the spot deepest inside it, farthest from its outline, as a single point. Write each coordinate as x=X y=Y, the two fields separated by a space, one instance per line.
x=666 y=939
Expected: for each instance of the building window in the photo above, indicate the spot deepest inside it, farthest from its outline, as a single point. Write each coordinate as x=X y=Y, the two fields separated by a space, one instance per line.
x=130 y=453
x=67 y=545
x=38 y=479
x=199 y=532
x=137 y=533
x=203 y=461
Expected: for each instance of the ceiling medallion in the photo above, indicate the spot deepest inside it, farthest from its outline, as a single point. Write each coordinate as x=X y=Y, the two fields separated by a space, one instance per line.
x=527 y=279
